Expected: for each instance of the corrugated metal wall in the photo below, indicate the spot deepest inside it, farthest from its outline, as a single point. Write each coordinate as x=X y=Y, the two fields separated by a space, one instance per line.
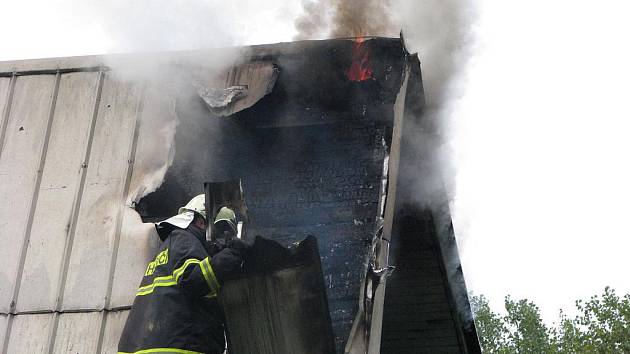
x=69 y=261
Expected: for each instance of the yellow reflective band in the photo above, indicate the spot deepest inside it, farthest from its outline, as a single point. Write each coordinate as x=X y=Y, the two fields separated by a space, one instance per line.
x=208 y=274
x=168 y=280
x=180 y=271
x=149 y=288
x=162 y=350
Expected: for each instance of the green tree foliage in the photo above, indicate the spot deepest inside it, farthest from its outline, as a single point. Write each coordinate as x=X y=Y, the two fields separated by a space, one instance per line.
x=490 y=326
x=602 y=325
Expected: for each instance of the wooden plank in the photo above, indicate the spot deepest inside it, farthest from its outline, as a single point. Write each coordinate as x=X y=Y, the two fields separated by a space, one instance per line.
x=113 y=329
x=281 y=311
x=29 y=333
x=402 y=300
x=419 y=341
x=376 y=325
x=101 y=200
x=77 y=332
x=19 y=161
x=58 y=188
x=428 y=334
x=419 y=347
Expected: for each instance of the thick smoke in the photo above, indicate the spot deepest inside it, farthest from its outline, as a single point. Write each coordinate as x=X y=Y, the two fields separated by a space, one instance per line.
x=162 y=25
x=351 y=18
x=440 y=31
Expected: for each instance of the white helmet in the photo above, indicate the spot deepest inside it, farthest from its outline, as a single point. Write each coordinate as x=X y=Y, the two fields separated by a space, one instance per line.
x=185 y=216
x=197 y=204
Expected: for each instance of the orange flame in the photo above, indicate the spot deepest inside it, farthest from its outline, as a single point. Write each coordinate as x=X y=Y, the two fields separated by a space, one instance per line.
x=361 y=69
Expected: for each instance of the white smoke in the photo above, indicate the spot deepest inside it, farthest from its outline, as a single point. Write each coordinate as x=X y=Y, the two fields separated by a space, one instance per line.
x=159 y=25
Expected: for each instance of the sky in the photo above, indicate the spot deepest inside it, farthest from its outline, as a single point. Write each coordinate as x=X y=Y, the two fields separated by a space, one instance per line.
x=537 y=133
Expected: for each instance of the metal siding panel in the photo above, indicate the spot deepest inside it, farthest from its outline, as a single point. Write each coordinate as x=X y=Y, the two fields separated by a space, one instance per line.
x=29 y=333
x=87 y=275
x=62 y=172
x=138 y=245
x=113 y=329
x=19 y=161
x=4 y=96
x=78 y=332
x=139 y=242
x=3 y=328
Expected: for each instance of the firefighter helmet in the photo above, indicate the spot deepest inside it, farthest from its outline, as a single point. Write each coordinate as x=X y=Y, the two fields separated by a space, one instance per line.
x=197 y=204
x=226 y=214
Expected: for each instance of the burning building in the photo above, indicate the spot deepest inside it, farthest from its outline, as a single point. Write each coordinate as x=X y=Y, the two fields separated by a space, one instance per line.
x=323 y=137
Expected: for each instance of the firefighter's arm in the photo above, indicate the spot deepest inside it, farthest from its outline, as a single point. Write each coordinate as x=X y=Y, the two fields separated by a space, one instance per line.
x=227 y=263
x=193 y=268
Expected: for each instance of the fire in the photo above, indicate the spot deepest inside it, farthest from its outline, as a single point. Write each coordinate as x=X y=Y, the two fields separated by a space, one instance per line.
x=361 y=69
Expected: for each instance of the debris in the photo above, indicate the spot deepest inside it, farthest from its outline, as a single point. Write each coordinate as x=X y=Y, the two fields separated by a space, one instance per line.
x=244 y=86
x=283 y=295
x=217 y=100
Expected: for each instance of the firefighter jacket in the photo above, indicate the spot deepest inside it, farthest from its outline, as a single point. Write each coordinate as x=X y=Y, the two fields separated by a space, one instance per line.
x=176 y=309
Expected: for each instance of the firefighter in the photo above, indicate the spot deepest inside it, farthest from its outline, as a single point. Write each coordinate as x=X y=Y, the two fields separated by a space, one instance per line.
x=176 y=309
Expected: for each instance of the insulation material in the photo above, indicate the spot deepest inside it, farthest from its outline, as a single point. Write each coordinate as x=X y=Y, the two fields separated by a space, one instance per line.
x=78 y=332
x=30 y=333
x=113 y=329
x=244 y=84
x=102 y=199
x=218 y=100
x=57 y=193
x=19 y=160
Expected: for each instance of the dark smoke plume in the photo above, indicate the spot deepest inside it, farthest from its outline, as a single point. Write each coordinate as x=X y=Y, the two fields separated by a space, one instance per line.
x=350 y=18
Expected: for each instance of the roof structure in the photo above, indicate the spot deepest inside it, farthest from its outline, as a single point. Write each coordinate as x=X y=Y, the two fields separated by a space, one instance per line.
x=90 y=145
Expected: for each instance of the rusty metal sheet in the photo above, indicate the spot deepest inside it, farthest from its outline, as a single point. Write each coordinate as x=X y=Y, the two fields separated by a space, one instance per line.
x=57 y=193
x=78 y=332
x=113 y=329
x=102 y=197
x=30 y=333
x=19 y=161
x=138 y=245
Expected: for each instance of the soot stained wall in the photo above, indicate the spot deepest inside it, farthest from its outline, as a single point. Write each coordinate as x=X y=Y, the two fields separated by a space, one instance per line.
x=310 y=156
